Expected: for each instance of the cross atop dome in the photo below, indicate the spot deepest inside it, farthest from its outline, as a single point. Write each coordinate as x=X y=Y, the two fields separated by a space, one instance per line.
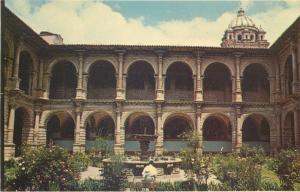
x=242 y=32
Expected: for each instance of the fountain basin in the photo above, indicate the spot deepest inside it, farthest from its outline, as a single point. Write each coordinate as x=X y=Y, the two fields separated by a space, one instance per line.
x=165 y=167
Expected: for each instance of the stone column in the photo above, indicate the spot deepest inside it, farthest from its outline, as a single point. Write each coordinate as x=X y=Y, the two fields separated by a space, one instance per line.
x=238 y=91
x=79 y=89
x=15 y=80
x=297 y=127
x=36 y=127
x=277 y=79
x=120 y=88
x=278 y=125
x=273 y=132
x=34 y=84
x=199 y=130
x=9 y=146
x=77 y=145
x=296 y=84
x=124 y=85
x=160 y=88
x=272 y=83
x=39 y=90
x=199 y=83
x=159 y=145
x=84 y=84
x=119 y=145
x=238 y=127
x=46 y=85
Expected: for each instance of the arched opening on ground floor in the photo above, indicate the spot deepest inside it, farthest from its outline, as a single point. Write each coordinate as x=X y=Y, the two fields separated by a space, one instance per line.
x=140 y=82
x=179 y=84
x=101 y=81
x=217 y=133
x=288 y=132
x=138 y=123
x=100 y=132
x=22 y=127
x=174 y=128
x=217 y=83
x=60 y=130
x=256 y=131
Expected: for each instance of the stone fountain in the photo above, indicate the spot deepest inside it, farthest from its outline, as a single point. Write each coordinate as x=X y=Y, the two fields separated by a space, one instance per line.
x=135 y=165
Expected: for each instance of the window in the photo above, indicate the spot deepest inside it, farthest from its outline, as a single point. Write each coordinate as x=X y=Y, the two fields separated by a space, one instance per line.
x=239 y=37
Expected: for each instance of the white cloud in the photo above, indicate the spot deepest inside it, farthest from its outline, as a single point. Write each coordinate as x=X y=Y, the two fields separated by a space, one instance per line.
x=93 y=22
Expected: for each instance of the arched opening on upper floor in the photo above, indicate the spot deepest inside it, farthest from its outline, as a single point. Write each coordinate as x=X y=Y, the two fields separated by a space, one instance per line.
x=174 y=128
x=140 y=82
x=255 y=84
x=22 y=125
x=101 y=81
x=179 y=84
x=288 y=76
x=288 y=132
x=60 y=130
x=99 y=125
x=63 y=81
x=256 y=131
x=217 y=133
x=25 y=72
x=138 y=123
x=217 y=83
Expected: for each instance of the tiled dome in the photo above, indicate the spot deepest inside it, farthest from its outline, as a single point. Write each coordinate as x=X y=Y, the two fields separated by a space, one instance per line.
x=241 y=20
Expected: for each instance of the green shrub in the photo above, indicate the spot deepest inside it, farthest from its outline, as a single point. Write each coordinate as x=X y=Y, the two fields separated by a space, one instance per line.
x=269 y=180
x=288 y=168
x=114 y=176
x=90 y=185
x=257 y=154
x=80 y=161
x=10 y=170
x=44 y=169
x=237 y=173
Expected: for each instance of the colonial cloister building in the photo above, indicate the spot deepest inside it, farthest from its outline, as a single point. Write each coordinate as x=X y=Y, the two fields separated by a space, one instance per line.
x=68 y=94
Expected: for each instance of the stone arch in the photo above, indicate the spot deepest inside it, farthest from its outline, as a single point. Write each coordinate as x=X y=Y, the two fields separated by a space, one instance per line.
x=288 y=131
x=256 y=130
x=99 y=124
x=223 y=121
x=255 y=83
x=128 y=65
x=55 y=61
x=63 y=82
x=60 y=129
x=226 y=64
x=168 y=64
x=217 y=83
x=87 y=66
x=30 y=51
x=140 y=82
x=138 y=123
x=101 y=82
x=22 y=128
x=179 y=82
x=264 y=65
x=180 y=121
x=174 y=125
x=217 y=133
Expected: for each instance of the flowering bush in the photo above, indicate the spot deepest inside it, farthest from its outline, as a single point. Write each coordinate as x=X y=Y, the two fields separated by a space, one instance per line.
x=45 y=169
x=79 y=161
x=288 y=168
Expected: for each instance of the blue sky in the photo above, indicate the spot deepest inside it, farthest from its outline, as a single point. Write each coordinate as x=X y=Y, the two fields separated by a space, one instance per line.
x=150 y=22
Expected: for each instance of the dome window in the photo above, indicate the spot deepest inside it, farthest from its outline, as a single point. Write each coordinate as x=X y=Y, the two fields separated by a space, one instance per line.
x=252 y=37
x=239 y=37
